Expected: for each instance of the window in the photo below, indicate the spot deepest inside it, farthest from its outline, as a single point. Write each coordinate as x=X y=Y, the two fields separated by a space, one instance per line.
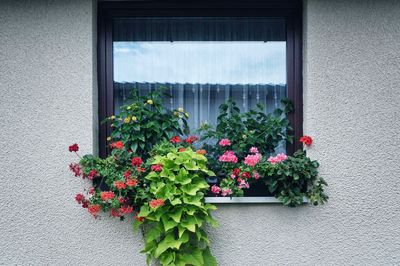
x=202 y=54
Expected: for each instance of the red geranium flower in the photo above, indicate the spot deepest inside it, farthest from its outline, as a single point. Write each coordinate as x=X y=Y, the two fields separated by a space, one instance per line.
x=246 y=175
x=126 y=209
x=115 y=213
x=137 y=218
x=181 y=149
x=85 y=203
x=121 y=200
x=156 y=167
x=175 y=139
x=191 y=139
x=94 y=209
x=73 y=148
x=107 y=195
x=92 y=174
x=236 y=172
x=120 y=185
x=141 y=169
x=307 y=140
x=137 y=161
x=79 y=198
x=127 y=174
x=131 y=182
x=154 y=203
x=117 y=145
x=76 y=169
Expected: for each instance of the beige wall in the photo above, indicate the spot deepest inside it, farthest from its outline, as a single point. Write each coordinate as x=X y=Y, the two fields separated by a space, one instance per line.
x=351 y=107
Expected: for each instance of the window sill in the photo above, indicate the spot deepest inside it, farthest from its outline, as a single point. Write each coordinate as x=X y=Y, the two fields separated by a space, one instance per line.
x=269 y=200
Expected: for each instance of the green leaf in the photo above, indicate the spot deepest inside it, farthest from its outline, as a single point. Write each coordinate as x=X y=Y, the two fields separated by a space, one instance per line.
x=135 y=225
x=189 y=223
x=183 y=177
x=181 y=230
x=153 y=234
x=144 y=211
x=191 y=165
x=134 y=147
x=208 y=258
x=176 y=215
x=168 y=224
x=169 y=242
x=176 y=201
x=194 y=258
x=191 y=189
x=167 y=259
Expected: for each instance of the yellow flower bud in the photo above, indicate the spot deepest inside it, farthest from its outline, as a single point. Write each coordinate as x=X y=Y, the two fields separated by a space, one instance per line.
x=134 y=118
x=108 y=138
x=244 y=136
x=127 y=120
x=150 y=101
x=176 y=113
x=187 y=115
x=112 y=117
x=128 y=108
x=180 y=109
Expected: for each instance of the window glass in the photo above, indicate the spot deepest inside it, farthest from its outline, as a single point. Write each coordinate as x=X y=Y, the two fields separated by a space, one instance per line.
x=202 y=62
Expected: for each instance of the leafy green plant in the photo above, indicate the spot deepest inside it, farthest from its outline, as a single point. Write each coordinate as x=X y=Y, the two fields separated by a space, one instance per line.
x=145 y=122
x=245 y=130
x=176 y=216
x=249 y=129
x=294 y=179
x=154 y=173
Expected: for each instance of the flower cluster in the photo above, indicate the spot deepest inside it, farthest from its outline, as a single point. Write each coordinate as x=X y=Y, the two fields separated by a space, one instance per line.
x=75 y=168
x=191 y=139
x=228 y=157
x=224 y=142
x=156 y=167
x=252 y=159
x=306 y=140
x=241 y=172
x=121 y=185
x=149 y=177
x=154 y=203
x=117 y=145
x=277 y=159
x=73 y=148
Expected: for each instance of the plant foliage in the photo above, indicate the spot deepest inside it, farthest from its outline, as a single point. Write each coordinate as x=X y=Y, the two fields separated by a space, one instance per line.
x=154 y=173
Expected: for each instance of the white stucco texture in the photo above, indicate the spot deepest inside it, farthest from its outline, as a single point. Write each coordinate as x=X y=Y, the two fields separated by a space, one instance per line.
x=351 y=108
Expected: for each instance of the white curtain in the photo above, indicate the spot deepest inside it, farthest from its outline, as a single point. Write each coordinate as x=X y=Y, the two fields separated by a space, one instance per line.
x=202 y=62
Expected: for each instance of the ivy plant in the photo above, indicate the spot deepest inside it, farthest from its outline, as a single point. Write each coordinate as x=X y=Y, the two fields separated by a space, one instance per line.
x=176 y=217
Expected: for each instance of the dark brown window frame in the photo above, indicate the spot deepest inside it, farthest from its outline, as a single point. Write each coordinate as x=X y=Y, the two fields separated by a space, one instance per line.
x=290 y=10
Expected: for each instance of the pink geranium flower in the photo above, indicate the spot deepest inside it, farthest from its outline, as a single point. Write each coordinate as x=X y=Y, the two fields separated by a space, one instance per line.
x=228 y=157
x=253 y=150
x=226 y=192
x=224 y=142
x=215 y=189
x=252 y=160
x=278 y=158
x=256 y=175
x=243 y=184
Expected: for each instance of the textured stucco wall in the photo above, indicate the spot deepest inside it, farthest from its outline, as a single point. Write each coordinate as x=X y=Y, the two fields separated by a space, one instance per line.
x=351 y=98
